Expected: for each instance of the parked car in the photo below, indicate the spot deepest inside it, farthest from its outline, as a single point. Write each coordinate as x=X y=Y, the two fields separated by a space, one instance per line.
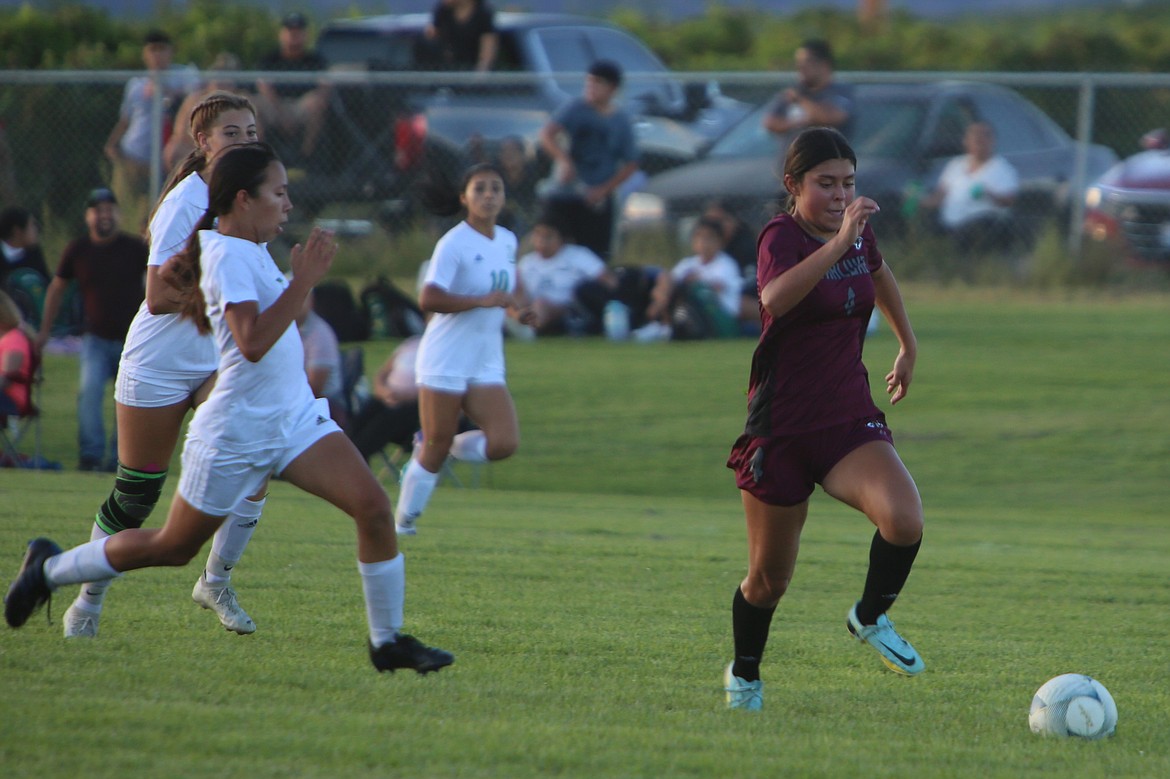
x=1129 y=206
x=903 y=136
x=673 y=120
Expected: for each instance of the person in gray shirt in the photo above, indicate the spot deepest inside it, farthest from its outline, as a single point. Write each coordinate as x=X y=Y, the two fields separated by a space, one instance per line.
x=600 y=154
x=816 y=100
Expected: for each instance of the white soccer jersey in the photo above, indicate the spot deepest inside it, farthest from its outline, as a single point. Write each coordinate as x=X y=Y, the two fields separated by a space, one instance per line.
x=721 y=273
x=554 y=279
x=467 y=262
x=253 y=404
x=164 y=345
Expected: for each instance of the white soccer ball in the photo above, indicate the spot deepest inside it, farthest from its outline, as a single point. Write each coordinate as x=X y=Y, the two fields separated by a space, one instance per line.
x=1073 y=705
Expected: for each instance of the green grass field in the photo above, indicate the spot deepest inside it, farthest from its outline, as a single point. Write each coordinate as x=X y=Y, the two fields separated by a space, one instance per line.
x=585 y=587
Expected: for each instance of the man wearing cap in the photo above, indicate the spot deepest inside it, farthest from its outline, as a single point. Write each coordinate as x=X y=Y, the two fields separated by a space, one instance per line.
x=296 y=109
x=109 y=267
x=131 y=142
x=601 y=154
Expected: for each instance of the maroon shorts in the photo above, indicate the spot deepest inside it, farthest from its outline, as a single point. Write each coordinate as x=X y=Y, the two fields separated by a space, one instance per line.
x=784 y=470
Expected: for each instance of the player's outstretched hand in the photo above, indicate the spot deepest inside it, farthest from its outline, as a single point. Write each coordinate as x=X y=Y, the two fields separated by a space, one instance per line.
x=313 y=260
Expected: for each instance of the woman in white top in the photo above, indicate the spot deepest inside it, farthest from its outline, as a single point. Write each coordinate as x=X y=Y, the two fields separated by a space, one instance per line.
x=255 y=421
x=166 y=369
x=470 y=282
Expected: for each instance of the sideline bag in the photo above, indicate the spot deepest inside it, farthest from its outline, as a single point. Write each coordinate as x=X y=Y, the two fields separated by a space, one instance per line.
x=334 y=302
x=390 y=311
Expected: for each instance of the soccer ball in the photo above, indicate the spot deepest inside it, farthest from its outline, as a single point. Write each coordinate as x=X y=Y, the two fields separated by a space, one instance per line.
x=1073 y=705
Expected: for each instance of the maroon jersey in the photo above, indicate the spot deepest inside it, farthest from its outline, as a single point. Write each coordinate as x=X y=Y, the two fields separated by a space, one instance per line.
x=807 y=372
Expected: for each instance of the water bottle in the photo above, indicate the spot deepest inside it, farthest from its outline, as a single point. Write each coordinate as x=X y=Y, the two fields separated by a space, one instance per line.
x=617 y=321
x=379 y=317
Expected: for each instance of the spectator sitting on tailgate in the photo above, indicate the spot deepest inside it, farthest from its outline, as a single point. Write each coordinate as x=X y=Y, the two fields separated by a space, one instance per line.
x=294 y=110
x=975 y=193
x=708 y=270
x=550 y=276
x=464 y=33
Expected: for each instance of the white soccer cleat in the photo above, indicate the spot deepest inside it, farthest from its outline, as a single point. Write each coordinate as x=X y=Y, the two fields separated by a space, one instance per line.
x=80 y=623
x=222 y=600
x=404 y=524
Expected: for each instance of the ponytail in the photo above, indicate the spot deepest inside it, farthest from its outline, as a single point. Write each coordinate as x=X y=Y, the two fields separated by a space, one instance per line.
x=183 y=272
x=237 y=169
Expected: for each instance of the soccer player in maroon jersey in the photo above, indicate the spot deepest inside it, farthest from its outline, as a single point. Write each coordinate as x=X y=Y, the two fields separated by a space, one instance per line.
x=811 y=418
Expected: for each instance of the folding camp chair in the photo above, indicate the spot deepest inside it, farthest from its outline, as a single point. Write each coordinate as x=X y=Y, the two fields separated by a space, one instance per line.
x=393 y=457
x=20 y=422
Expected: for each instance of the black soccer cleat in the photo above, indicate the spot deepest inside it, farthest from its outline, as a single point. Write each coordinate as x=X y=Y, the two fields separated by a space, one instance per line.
x=30 y=591
x=408 y=652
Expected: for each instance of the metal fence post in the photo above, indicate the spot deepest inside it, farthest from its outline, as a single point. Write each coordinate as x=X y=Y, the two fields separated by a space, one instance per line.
x=1084 y=136
x=157 y=102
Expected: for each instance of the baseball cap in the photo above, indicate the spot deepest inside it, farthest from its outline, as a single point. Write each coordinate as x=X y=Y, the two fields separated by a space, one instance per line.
x=100 y=195
x=294 y=21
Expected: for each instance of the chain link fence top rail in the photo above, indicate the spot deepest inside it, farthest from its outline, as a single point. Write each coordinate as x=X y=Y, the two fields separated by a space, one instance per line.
x=384 y=130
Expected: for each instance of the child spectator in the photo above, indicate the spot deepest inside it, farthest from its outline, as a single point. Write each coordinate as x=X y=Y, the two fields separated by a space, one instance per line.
x=705 y=286
x=551 y=274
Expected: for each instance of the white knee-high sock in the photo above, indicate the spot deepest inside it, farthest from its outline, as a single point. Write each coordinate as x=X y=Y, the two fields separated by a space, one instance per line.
x=92 y=594
x=417 y=485
x=227 y=547
x=85 y=563
x=384 y=586
x=470 y=447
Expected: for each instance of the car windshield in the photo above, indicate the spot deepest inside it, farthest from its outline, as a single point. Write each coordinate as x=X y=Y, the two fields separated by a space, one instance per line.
x=882 y=128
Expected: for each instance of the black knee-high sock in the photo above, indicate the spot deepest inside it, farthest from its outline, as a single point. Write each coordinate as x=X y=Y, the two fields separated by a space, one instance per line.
x=749 y=625
x=889 y=566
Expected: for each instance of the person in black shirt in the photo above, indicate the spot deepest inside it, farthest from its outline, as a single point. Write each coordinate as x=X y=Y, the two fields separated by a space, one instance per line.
x=465 y=34
x=109 y=267
x=296 y=109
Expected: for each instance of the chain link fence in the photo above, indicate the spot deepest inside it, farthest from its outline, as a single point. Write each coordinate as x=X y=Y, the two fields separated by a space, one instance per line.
x=381 y=132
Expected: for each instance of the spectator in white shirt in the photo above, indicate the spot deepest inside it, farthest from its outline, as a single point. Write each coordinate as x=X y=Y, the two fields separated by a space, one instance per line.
x=551 y=274
x=975 y=194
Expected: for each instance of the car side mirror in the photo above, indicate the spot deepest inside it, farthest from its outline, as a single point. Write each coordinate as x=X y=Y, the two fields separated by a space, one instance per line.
x=1155 y=139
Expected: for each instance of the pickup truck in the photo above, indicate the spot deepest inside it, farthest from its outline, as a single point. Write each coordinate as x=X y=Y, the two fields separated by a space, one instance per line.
x=395 y=94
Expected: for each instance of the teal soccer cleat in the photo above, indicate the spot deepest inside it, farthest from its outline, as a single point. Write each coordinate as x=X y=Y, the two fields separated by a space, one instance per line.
x=894 y=650
x=741 y=694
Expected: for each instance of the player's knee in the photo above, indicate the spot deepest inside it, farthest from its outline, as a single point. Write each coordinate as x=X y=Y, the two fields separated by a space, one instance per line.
x=502 y=447
x=372 y=507
x=132 y=500
x=902 y=527
x=765 y=588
